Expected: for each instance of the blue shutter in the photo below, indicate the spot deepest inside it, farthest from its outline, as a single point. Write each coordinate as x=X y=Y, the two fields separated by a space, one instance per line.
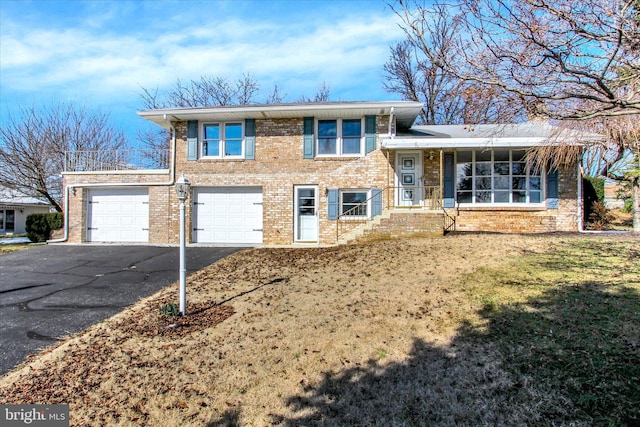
x=552 y=190
x=333 y=204
x=308 y=151
x=376 y=202
x=250 y=139
x=192 y=140
x=448 y=181
x=369 y=133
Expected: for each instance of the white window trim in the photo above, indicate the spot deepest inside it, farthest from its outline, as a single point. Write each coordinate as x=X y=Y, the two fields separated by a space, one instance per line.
x=355 y=190
x=222 y=125
x=542 y=176
x=339 y=145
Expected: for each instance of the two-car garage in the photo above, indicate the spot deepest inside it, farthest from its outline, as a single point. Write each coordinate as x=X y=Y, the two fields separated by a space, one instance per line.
x=221 y=215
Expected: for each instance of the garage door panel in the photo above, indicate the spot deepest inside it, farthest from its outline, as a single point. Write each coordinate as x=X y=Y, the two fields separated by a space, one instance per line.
x=228 y=215
x=118 y=215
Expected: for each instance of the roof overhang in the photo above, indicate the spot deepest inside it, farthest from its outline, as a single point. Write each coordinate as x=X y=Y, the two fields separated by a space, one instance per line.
x=405 y=112
x=528 y=134
x=400 y=143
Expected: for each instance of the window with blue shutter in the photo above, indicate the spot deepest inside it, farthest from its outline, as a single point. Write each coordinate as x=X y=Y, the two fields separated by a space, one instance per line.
x=376 y=202
x=250 y=139
x=192 y=140
x=552 y=190
x=448 y=181
x=308 y=151
x=332 y=195
x=369 y=133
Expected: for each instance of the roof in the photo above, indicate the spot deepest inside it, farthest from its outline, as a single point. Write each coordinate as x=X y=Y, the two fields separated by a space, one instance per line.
x=526 y=134
x=404 y=111
x=13 y=197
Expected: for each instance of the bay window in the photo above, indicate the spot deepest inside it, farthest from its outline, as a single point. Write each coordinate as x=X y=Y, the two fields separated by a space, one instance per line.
x=498 y=176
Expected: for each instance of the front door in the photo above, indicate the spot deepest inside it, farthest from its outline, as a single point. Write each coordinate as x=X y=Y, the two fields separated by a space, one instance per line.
x=306 y=213
x=409 y=179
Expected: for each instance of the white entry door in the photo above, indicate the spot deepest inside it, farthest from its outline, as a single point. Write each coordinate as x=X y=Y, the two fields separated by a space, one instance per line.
x=306 y=213
x=409 y=179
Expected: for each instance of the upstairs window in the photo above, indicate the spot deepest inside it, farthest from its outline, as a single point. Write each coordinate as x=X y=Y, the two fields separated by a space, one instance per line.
x=223 y=140
x=341 y=137
x=496 y=177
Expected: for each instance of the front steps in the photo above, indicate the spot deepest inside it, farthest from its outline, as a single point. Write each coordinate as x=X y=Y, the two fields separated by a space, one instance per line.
x=395 y=224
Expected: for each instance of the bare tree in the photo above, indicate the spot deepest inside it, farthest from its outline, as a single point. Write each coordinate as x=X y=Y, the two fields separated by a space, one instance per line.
x=276 y=96
x=33 y=146
x=577 y=61
x=447 y=98
x=322 y=95
x=562 y=57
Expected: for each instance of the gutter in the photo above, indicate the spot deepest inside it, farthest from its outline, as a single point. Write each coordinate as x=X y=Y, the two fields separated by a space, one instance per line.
x=68 y=188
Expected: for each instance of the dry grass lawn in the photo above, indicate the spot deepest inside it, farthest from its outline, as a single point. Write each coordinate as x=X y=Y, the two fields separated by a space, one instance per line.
x=470 y=329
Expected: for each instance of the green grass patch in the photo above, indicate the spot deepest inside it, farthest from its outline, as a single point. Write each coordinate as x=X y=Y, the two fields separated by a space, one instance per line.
x=568 y=324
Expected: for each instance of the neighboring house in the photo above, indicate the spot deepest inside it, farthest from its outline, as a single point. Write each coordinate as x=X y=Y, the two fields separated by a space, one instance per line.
x=611 y=200
x=15 y=208
x=323 y=173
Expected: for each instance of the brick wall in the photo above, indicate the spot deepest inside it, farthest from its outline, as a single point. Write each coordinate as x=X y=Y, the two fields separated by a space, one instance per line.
x=279 y=166
x=405 y=224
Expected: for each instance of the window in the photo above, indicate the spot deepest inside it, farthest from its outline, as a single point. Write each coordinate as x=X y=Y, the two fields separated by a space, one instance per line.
x=223 y=140
x=340 y=137
x=354 y=203
x=496 y=177
x=7 y=220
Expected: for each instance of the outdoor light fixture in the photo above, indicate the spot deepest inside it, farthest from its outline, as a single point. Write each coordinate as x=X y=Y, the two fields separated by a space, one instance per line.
x=431 y=155
x=182 y=191
x=182 y=188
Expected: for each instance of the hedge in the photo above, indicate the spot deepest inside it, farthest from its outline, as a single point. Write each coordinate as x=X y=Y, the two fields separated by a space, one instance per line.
x=39 y=226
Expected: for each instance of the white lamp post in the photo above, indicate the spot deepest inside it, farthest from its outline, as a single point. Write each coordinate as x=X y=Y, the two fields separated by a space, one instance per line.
x=182 y=190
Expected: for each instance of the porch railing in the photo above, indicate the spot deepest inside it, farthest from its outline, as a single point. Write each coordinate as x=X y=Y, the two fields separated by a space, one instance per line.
x=116 y=160
x=428 y=197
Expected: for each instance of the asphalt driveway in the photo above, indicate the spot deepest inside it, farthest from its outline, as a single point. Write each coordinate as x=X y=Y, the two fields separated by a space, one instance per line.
x=52 y=291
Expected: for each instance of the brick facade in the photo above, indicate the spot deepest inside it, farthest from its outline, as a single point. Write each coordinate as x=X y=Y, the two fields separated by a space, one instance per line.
x=279 y=166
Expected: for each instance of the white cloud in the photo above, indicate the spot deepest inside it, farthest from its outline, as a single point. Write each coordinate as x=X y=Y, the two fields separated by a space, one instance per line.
x=104 y=63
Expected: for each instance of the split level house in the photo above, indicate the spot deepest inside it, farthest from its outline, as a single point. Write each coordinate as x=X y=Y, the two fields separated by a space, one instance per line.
x=319 y=174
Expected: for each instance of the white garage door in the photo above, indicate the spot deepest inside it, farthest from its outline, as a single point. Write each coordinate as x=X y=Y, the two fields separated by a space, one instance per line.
x=228 y=215
x=118 y=215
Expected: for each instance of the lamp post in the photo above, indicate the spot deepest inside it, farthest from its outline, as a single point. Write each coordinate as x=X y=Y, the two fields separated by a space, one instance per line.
x=182 y=191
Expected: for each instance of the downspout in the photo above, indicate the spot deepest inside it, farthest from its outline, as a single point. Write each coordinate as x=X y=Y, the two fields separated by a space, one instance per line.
x=580 y=202
x=69 y=187
x=391 y=123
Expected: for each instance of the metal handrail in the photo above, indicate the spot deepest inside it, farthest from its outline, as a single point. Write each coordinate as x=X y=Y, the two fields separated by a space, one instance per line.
x=116 y=160
x=431 y=194
x=360 y=219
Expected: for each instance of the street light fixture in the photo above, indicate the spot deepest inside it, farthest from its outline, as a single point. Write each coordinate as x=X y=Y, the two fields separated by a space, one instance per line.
x=182 y=191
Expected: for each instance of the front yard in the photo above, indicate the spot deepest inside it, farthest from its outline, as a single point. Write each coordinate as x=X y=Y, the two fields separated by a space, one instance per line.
x=469 y=329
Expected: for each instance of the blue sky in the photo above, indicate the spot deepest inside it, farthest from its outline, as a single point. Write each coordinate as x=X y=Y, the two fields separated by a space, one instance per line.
x=100 y=53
